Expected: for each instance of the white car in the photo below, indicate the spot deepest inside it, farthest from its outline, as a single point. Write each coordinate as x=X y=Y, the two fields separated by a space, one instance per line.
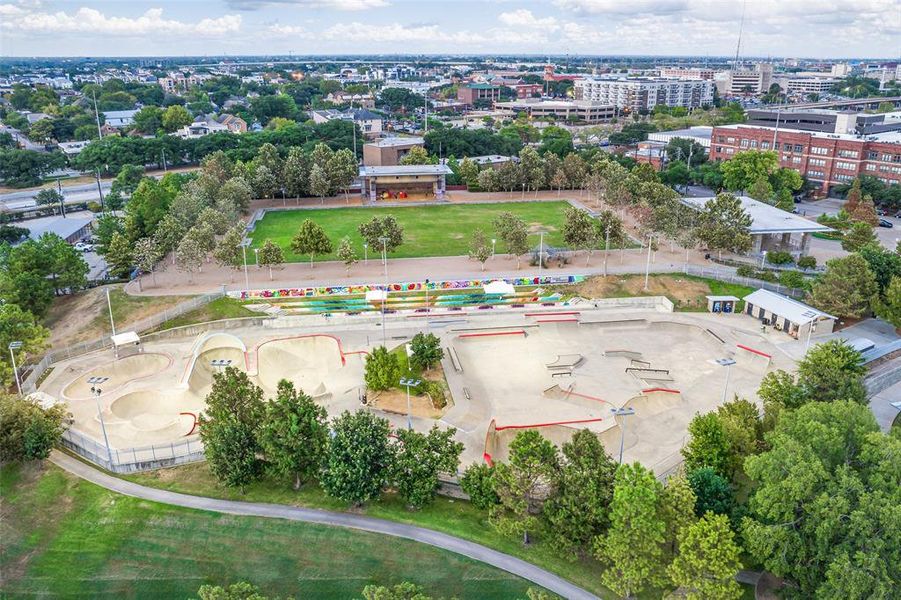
x=84 y=247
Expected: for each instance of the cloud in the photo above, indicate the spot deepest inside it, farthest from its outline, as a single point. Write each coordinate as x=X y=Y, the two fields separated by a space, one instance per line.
x=524 y=18
x=621 y=7
x=89 y=20
x=341 y=5
x=399 y=34
x=288 y=30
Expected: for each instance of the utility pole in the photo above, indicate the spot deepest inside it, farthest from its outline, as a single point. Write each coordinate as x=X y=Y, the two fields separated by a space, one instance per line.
x=97 y=115
x=62 y=198
x=100 y=189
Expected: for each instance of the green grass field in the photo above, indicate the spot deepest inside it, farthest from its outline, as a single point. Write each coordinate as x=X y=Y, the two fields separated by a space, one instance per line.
x=428 y=230
x=63 y=537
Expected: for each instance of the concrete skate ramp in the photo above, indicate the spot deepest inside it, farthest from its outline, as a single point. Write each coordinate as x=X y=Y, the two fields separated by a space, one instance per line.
x=570 y=395
x=201 y=375
x=120 y=372
x=499 y=438
x=630 y=354
x=213 y=340
x=149 y=411
x=655 y=401
x=304 y=361
x=565 y=361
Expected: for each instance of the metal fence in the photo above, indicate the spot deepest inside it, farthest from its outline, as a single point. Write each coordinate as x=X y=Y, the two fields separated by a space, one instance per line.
x=130 y=460
x=728 y=276
x=36 y=371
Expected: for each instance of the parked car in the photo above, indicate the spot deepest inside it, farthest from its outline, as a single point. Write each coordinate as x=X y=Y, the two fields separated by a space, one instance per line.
x=84 y=247
x=885 y=223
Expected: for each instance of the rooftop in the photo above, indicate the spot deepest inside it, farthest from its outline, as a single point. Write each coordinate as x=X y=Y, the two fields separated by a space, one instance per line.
x=794 y=311
x=398 y=141
x=699 y=131
x=766 y=218
x=63 y=227
x=405 y=170
x=890 y=137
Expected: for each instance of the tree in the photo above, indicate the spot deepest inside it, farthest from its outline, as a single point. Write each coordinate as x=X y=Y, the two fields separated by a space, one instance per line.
x=418 y=460
x=780 y=391
x=823 y=513
x=382 y=369
x=119 y=256
x=478 y=483
x=426 y=351
x=579 y=511
x=297 y=172
x=884 y=264
x=343 y=168
x=146 y=255
x=469 y=173
x=234 y=197
x=761 y=190
x=270 y=255
x=784 y=200
x=479 y=248
x=416 y=156
x=236 y=591
x=632 y=550
x=833 y=371
x=149 y=119
x=708 y=445
x=27 y=431
x=169 y=234
x=66 y=266
x=888 y=307
x=513 y=233
x=741 y=423
x=263 y=182
x=19 y=325
x=22 y=168
x=48 y=197
x=359 y=458
x=228 y=428
x=579 y=231
x=190 y=256
x=347 y=254
x=487 y=180
x=846 y=288
x=610 y=227
x=175 y=117
x=228 y=251
x=320 y=185
x=864 y=212
x=267 y=107
x=401 y=591
x=146 y=208
x=708 y=560
x=293 y=434
x=860 y=234
x=386 y=227
x=523 y=484
x=311 y=239
x=267 y=156
x=724 y=224
x=742 y=170
x=677 y=509
x=713 y=492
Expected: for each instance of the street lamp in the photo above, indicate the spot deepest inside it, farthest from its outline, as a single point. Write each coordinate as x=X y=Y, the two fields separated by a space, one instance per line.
x=622 y=412
x=256 y=255
x=540 y=253
x=493 y=244
x=384 y=242
x=12 y=347
x=647 y=266
x=365 y=253
x=726 y=362
x=244 y=254
x=408 y=383
x=220 y=363
x=95 y=383
x=523 y=191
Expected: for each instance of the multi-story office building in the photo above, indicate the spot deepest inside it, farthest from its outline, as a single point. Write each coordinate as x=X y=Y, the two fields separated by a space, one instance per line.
x=644 y=94
x=745 y=81
x=578 y=110
x=825 y=158
x=682 y=73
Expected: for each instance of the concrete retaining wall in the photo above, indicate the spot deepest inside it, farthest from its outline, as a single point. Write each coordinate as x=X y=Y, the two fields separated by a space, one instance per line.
x=658 y=303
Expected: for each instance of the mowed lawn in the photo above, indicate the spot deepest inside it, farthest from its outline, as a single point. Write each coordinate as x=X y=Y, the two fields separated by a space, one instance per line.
x=63 y=537
x=428 y=230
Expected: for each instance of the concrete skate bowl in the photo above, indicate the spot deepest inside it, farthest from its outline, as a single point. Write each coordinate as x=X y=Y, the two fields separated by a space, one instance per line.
x=121 y=372
x=209 y=347
x=149 y=416
x=499 y=437
x=306 y=361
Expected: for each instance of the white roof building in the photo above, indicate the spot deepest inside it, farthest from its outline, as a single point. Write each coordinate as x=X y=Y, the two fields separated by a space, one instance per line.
x=797 y=319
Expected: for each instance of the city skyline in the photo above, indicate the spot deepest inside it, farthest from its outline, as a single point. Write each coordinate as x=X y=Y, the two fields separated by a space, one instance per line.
x=808 y=29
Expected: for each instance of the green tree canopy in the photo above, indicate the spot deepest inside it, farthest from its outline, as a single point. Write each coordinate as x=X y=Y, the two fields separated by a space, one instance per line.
x=359 y=458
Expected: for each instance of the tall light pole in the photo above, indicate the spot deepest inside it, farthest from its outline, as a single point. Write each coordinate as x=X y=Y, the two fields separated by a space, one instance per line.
x=622 y=412
x=109 y=305
x=540 y=253
x=95 y=383
x=726 y=362
x=365 y=253
x=493 y=246
x=606 y=248
x=408 y=383
x=384 y=242
x=13 y=346
x=256 y=256
x=246 y=279
x=647 y=266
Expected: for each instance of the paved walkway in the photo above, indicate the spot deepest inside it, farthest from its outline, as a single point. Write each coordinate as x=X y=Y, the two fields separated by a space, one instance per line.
x=471 y=550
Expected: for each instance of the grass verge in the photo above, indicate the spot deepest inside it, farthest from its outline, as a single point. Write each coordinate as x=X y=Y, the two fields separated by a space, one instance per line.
x=220 y=308
x=64 y=537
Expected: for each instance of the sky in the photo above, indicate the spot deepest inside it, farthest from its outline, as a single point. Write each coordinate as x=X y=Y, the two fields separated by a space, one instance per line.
x=778 y=28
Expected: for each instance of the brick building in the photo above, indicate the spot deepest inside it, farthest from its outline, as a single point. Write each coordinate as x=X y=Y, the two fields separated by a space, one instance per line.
x=474 y=92
x=826 y=159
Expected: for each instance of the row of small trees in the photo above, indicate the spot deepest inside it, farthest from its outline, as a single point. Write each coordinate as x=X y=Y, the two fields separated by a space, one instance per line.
x=379 y=233
x=354 y=457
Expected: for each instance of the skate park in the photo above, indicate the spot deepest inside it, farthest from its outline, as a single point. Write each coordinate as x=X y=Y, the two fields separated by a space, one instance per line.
x=556 y=369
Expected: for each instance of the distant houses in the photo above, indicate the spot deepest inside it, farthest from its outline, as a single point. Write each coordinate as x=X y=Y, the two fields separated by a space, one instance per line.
x=207 y=124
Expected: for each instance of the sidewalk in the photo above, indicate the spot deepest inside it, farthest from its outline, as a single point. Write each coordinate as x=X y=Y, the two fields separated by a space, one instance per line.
x=171 y=281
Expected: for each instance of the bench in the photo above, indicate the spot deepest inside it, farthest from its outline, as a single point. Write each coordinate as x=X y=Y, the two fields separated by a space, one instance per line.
x=454 y=359
x=467 y=394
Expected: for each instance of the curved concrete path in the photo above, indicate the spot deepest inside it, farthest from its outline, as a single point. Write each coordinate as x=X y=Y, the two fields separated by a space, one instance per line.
x=472 y=550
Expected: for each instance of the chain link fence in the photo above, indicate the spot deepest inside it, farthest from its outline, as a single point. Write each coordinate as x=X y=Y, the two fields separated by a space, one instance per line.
x=36 y=371
x=130 y=460
x=729 y=276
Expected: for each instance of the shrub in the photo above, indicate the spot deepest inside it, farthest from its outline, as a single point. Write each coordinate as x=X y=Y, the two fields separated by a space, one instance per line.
x=745 y=271
x=807 y=262
x=94 y=207
x=478 y=483
x=779 y=258
x=792 y=279
x=766 y=276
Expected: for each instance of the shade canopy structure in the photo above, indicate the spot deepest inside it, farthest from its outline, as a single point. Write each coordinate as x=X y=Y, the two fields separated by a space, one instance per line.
x=125 y=339
x=499 y=287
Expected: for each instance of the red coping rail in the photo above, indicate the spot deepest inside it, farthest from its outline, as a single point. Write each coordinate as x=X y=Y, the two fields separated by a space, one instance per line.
x=758 y=352
x=551 y=313
x=659 y=389
x=503 y=427
x=194 y=426
x=557 y=321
